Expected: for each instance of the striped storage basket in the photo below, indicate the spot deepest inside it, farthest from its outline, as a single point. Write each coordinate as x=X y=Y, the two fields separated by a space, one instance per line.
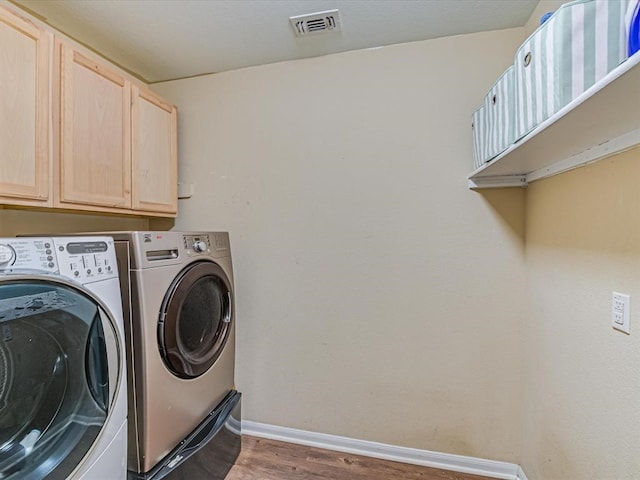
x=494 y=121
x=577 y=46
x=480 y=127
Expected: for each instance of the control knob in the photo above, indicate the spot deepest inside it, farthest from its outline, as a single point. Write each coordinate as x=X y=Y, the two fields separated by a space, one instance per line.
x=7 y=255
x=199 y=246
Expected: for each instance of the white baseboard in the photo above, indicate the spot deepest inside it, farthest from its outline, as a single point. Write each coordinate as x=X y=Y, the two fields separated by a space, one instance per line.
x=445 y=461
x=521 y=475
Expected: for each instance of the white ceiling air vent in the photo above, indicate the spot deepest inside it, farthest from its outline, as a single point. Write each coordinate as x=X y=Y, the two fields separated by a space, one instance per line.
x=321 y=22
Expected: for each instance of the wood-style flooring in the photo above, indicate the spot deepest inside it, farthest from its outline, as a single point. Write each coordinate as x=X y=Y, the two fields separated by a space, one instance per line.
x=263 y=459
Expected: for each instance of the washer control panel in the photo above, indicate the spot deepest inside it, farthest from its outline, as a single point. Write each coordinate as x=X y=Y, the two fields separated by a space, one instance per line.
x=28 y=254
x=84 y=259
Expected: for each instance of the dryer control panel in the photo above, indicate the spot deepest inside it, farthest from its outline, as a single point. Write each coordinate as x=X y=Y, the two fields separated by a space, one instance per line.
x=196 y=244
x=85 y=259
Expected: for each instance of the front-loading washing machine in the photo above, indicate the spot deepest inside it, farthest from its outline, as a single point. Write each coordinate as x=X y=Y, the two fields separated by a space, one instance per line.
x=178 y=301
x=63 y=392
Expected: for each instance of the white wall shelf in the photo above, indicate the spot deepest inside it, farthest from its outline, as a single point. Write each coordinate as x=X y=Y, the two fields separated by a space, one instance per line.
x=601 y=122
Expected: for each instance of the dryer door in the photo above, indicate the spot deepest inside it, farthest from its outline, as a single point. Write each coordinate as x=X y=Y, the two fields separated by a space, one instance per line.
x=59 y=362
x=195 y=319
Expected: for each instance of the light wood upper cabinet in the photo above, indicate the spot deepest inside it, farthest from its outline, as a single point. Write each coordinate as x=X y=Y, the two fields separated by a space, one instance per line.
x=95 y=146
x=77 y=132
x=154 y=152
x=25 y=56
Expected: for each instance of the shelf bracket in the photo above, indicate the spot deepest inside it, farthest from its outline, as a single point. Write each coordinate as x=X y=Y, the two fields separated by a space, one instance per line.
x=592 y=154
x=498 y=181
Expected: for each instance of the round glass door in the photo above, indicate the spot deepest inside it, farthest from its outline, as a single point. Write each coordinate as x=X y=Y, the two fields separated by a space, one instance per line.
x=59 y=362
x=195 y=319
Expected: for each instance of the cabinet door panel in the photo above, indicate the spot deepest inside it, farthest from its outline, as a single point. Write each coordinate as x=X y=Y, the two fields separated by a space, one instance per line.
x=154 y=153
x=95 y=148
x=24 y=105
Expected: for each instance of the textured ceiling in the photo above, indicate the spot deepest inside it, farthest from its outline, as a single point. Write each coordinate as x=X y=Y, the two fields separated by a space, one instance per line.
x=168 y=39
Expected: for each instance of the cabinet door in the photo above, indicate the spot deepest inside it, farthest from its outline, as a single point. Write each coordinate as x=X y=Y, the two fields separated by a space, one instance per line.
x=25 y=57
x=95 y=148
x=154 y=153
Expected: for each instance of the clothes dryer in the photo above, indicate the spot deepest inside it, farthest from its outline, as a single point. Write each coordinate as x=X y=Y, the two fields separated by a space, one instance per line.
x=63 y=397
x=178 y=299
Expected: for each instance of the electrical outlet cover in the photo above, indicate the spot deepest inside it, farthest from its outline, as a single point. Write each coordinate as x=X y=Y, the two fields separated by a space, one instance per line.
x=620 y=311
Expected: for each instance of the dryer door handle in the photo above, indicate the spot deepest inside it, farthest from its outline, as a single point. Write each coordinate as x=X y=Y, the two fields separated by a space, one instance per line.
x=153 y=255
x=229 y=314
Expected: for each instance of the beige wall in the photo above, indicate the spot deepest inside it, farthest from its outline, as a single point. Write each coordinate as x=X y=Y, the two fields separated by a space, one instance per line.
x=16 y=222
x=582 y=387
x=582 y=243
x=378 y=298
x=543 y=7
